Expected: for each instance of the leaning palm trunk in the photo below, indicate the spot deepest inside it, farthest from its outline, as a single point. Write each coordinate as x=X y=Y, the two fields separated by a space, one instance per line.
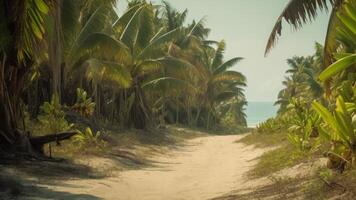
x=11 y=78
x=12 y=139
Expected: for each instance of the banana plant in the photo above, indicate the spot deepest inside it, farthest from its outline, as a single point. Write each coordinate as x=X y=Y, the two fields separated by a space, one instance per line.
x=339 y=128
x=345 y=34
x=303 y=126
x=338 y=66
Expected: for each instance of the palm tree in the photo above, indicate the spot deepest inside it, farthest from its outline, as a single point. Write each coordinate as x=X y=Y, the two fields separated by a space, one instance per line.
x=145 y=55
x=298 y=12
x=209 y=82
x=25 y=23
x=288 y=92
x=22 y=32
x=302 y=80
x=339 y=31
x=173 y=18
x=215 y=81
x=64 y=20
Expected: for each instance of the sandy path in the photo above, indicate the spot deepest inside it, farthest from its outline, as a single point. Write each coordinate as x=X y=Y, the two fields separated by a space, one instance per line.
x=205 y=168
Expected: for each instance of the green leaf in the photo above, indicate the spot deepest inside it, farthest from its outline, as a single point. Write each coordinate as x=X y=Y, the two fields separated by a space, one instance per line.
x=226 y=65
x=93 y=25
x=105 y=45
x=325 y=114
x=167 y=37
x=130 y=32
x=169 y=83
x=348 y=22
x=337 y=67
x=346 y=118
x=107 y=70
x=228 y=76
x=42 y=6
x=125 y=18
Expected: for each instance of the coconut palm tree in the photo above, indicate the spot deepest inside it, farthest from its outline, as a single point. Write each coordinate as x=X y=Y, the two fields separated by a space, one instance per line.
x=221 y=83
x=145 y=55
x=22 y=33
x=341 y=22
x=297 y=13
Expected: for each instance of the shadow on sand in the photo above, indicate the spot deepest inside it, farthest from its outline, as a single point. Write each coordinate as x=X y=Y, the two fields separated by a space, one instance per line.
x=24 y=179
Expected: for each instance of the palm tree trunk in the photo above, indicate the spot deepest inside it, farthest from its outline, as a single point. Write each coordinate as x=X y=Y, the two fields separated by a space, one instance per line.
x=98 y=100
x=55 y=50
x=177 y=112
x=142 y=109
x=208 y=121
x=198 y=112
x=7 y=109
x=113 y=106
x=197 y=116
x=189 y=114
x=12 y=139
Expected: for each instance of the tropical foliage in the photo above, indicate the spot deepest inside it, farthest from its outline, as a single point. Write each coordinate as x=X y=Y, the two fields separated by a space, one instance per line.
x=319 y=91
x=140 y=69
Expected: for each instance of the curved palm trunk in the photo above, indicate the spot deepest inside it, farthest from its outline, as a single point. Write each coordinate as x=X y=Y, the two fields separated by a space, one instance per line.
x=12 y=140
x=8 y=121
x=10 y=88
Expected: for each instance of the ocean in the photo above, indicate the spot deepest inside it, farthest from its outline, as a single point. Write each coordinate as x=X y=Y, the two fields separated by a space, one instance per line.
x=258 y=112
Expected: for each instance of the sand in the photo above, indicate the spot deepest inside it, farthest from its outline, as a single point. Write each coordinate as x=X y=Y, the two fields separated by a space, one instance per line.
x=204 y=168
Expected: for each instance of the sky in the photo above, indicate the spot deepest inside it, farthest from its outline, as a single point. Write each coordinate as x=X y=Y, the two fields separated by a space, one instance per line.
x=245 y=25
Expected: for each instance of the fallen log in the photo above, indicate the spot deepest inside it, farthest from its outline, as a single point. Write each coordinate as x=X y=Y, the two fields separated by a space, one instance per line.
x=38 y=142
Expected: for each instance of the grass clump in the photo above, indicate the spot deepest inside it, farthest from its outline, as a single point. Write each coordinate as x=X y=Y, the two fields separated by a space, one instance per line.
x=276 y=160
x=262 y=140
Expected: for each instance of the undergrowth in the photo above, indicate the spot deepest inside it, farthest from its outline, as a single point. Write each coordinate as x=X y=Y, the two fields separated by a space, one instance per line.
x=321 y=184
x=261 y=140
x=277 y=159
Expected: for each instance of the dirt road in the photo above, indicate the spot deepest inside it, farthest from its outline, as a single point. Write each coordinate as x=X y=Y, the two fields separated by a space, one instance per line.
x=204 y=168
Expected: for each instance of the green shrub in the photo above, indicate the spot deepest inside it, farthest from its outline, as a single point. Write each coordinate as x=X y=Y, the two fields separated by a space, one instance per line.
x=274 y=125
x=303 y=131
x=83 y=105
x=52 y=117
x=88 y=138
x=339 y=128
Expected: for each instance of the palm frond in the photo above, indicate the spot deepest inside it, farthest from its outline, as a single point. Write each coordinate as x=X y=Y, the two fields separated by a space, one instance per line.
x=225 y=96
x=157 y=41
x=168 y=83
x=226 y=65
x=148 y=67
x=146 y=27
x=101 y=44
x=219 y=55
x=122 y=21
x=229 y=76
x=130 y=32
x=297 y=13
x=94 y=24
x=70 y=14
x=99 y=70
x=173 y=17
x=28 y=19
x=197 y=29
x=172 y=63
